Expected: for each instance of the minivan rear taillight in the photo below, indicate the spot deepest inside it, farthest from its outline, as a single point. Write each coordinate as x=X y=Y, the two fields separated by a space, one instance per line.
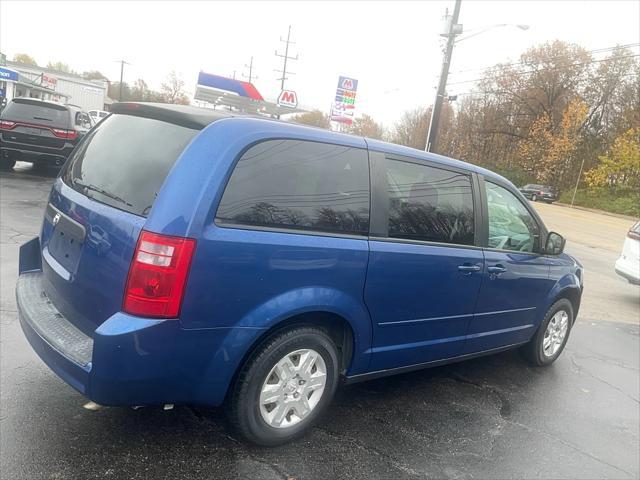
x=7 y=125
x=157 y=275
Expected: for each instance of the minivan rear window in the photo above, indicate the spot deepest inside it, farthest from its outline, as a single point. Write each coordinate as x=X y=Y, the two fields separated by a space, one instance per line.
x=36 y=112
x=124 y=161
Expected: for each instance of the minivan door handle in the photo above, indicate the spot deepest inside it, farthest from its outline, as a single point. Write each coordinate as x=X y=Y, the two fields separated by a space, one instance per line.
x=496 y=269
x=467 y=268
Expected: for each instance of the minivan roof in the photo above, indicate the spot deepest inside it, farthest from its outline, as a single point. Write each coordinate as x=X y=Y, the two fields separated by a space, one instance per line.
x=198 y=118
x=184 y=115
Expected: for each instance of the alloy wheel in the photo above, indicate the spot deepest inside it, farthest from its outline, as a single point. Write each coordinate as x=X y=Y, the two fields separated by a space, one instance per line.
x=293 y=388
x=555 y=333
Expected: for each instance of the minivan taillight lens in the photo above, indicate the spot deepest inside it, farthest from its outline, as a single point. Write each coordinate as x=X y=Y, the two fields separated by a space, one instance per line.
x=6 y=125
x=157 y=275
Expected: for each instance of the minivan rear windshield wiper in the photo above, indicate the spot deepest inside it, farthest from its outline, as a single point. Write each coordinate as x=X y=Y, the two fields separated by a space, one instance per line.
x=99 y=190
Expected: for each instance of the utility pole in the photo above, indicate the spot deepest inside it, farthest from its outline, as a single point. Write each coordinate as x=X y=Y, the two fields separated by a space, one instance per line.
x=250 y=67
x=452 y=30
x=286 y=57
x=122 y=62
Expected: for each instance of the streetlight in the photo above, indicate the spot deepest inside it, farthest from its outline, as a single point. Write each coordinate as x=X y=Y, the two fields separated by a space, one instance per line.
x=490 y=27
x=453 y=28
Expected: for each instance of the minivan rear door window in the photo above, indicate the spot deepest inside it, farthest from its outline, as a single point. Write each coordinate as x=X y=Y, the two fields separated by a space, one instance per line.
x=124 y=161
x=429 y=204
x=299 y=185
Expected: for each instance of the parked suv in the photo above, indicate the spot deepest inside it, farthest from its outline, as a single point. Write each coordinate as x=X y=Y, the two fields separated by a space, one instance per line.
x=40 y=132
x=191 y=256
x=539 y=192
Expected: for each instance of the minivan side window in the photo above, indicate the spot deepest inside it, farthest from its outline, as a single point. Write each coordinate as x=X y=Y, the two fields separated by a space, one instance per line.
x=511 y=226
x=299 y=185
x=429 y=204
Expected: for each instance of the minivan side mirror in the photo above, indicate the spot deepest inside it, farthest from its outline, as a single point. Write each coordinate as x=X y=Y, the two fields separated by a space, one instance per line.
x=554 y=244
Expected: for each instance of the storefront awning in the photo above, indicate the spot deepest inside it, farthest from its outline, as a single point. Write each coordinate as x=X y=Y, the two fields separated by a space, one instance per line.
x=38 y=88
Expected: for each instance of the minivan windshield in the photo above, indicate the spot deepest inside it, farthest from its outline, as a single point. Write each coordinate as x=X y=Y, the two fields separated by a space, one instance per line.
x=123 y=161
x=37 y=112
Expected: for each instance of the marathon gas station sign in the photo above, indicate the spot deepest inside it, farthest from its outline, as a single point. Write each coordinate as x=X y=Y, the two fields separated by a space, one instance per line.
x=7 y=75
x=345 y=102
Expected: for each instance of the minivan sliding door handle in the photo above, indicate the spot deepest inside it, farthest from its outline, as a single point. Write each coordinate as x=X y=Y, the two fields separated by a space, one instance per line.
x=467 y=268
x=496 y=269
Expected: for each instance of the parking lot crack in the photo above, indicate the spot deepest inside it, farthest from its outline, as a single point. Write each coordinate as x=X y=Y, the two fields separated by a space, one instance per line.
x=569 y=445
x=583 y=369
x=388 y=458
x=605 y=359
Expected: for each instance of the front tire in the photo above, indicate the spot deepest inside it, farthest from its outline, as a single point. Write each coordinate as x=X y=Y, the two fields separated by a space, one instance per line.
x=552 y=336
x=284 y=386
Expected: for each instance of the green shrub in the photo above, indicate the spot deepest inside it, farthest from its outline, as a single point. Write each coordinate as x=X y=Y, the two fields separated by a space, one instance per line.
x=622 y=200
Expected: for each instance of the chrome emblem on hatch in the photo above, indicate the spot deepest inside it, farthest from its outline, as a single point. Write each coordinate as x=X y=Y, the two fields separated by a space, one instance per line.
x=56 y=219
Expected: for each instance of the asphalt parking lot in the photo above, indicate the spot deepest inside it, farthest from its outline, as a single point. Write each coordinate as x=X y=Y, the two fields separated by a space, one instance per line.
x=493 y=417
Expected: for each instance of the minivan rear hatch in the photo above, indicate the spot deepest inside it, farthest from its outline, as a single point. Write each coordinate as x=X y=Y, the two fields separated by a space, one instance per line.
x=99 y=205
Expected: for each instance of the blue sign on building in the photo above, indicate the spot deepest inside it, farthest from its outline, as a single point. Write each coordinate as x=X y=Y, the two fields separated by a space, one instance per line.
x=6 y=74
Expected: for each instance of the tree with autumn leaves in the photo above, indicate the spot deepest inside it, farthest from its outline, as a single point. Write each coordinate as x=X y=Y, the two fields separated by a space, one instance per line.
x=541 y=118
x=621 y=165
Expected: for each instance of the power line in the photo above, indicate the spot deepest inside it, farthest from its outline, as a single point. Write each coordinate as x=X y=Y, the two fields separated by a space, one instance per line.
x=286 y=57
x=249 y=77
x=453 y=29
x=518 y=74
x=476 y=93
x=122 y=62
x=599 y=50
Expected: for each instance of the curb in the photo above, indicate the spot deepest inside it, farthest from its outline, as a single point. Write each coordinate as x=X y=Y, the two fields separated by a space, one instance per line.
x=595 y=210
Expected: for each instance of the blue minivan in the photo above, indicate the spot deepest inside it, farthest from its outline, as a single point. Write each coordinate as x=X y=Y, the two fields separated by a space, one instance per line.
x=192 y=256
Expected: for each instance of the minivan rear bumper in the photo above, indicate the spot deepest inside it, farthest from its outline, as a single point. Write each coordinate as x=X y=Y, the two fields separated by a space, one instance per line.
x=130 y=360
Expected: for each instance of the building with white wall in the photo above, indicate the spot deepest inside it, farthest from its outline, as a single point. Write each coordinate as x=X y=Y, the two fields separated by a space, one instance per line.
x=21 y=80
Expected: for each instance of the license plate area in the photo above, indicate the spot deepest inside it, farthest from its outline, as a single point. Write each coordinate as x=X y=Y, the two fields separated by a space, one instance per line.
x=33 y=131
x=66 y=241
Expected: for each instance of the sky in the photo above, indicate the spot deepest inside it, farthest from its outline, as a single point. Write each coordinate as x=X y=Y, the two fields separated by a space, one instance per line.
x=393 y=48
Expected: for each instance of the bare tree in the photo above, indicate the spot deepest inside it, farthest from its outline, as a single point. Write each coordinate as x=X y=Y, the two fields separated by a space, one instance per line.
x=173 y=89
x=366 y=126
x=315 y=118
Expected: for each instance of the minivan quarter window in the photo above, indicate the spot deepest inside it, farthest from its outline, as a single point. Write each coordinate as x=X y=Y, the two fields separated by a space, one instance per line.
x=511 y=226
x=299 y=185
x=429 y=204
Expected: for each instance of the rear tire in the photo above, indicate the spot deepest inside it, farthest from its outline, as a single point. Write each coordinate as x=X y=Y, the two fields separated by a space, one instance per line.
x=549 y=341
x=267 y=403
x=534 y=198
x=7 y=164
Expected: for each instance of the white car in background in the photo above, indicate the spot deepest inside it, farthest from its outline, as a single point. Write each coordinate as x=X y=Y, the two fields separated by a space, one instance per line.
x=97 y=115
x=628 y=265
